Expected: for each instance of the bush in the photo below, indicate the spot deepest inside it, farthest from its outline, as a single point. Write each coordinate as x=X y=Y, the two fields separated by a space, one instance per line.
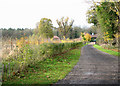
x=28 y=55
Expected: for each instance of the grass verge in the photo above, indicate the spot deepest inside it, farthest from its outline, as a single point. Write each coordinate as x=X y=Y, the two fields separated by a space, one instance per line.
x=49 y=71
x=106 y=50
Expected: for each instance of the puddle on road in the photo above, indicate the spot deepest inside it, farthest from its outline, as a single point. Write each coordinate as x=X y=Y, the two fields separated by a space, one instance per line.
x=88 y=73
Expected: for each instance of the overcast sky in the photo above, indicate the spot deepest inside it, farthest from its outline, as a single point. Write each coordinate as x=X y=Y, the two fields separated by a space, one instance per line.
x=26 y=13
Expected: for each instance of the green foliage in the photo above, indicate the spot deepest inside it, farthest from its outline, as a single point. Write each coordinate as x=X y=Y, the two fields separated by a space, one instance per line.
x=30 y=55
x=15 y=33
x=77 y=31
x=107 y=51
x=50 y=70
x=92 y=29
x=64 y=26
x=92 y=15
x=83 y=37
x=45 y=28
x=107 y=18
x=74 y=32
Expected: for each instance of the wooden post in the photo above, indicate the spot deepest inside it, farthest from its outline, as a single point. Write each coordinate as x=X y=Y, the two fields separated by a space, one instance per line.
x=6 y=70
x=3 y=70
x=9 y=68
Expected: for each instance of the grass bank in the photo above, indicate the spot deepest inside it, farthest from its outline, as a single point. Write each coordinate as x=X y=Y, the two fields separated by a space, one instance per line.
x=106 y=50
x=48 y=71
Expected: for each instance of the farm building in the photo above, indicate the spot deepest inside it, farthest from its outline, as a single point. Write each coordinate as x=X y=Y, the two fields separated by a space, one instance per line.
x=56 y=38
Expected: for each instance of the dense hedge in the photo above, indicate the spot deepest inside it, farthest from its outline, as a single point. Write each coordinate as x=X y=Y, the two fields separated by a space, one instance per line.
x=30 y=54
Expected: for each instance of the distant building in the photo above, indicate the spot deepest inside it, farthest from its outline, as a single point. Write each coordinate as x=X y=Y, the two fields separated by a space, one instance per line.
x=56 y=38
x=93 y=37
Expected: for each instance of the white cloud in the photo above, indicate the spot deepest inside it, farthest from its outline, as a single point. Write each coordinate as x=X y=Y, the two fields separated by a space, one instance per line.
x=26 y=13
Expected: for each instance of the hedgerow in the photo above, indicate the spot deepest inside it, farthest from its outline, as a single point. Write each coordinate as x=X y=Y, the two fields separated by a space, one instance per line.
x=28 y=55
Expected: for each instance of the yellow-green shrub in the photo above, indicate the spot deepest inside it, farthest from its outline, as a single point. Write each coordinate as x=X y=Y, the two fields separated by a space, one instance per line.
x=28 y=54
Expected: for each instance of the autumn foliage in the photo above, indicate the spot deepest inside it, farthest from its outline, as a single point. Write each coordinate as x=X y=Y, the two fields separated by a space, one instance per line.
x=86 y=37
x=33 y=49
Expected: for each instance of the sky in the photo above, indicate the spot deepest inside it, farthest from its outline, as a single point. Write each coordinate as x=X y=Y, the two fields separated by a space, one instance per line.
x=26 y=13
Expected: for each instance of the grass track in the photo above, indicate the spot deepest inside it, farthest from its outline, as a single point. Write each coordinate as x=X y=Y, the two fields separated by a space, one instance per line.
x=106 y=50
x=49 y=71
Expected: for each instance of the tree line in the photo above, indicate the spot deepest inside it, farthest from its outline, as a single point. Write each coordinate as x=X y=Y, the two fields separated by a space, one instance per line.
x=15 y=33
x=45 y=29
x=65 y=29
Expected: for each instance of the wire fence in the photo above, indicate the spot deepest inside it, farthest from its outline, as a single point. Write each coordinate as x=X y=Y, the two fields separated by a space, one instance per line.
x=11 y=68
x=0 y=57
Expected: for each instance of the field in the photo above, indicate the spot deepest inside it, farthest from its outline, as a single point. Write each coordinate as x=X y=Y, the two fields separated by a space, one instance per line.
x=8 y=46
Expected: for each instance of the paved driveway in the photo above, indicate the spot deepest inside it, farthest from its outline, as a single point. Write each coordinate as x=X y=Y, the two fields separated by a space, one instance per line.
x=94 y=67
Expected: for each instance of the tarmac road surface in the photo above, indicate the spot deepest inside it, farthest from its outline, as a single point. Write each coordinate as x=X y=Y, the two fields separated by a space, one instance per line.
x=94 y=67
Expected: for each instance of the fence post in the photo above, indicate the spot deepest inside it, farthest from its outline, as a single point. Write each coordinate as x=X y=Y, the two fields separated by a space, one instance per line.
x=3 y=70
x=9 y=68
x=6 y=70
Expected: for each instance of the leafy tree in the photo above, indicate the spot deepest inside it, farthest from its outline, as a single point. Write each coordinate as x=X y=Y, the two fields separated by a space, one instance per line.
x=71 y=34
x=106 y=16
x=92 y=15
x=92 y=29
x=45 y=28
x=83 y=37
x=55 y=32
x=74 y=32
x=106 y=37
x=64 y=26
x=76 y=35
x=77 y=31
x=87 y=37
x=16 y=33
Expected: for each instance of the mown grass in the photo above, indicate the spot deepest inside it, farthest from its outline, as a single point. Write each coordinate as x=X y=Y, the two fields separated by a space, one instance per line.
x=48 y=71
x=106 y=50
